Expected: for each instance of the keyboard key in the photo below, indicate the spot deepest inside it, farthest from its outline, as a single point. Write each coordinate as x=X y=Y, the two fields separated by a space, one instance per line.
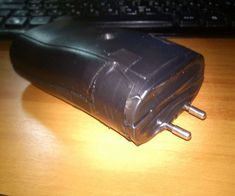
x=49 y=6
x=55 y=12
x=20 y=13
x=141 y=9
x=4 y=13
x=35 y=1
x=34 y=6
x=215 y=20
x=11 y=6
x=16 y=21
x=110 y=12
x=39 y=20
x=12 y=1
x=151 y=13
x=131 y=10
x=189 y=21
x=37 y=13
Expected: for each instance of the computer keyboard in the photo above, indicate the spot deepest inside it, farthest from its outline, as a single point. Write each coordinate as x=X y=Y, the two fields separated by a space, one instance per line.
x=162 y=17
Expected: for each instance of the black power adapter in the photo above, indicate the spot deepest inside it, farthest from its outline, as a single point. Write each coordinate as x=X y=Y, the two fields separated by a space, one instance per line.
x=133 y=82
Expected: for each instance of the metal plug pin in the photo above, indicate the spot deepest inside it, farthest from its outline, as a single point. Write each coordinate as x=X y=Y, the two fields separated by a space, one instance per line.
x=195 y=111
x=178 y=131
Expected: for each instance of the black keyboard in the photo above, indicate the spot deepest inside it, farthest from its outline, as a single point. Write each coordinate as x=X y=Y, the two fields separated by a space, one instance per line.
x=162 y=17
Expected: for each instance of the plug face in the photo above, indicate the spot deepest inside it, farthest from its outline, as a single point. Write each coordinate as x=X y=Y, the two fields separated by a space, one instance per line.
x=133 y=82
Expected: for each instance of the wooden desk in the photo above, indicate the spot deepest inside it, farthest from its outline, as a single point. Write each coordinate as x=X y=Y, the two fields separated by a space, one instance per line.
x=47 y=147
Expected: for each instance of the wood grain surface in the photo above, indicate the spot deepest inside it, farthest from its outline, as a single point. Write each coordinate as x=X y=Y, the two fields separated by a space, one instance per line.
x=48 y=147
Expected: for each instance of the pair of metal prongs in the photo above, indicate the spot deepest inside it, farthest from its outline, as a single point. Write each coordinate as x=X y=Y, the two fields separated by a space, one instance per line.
x=180 y=132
